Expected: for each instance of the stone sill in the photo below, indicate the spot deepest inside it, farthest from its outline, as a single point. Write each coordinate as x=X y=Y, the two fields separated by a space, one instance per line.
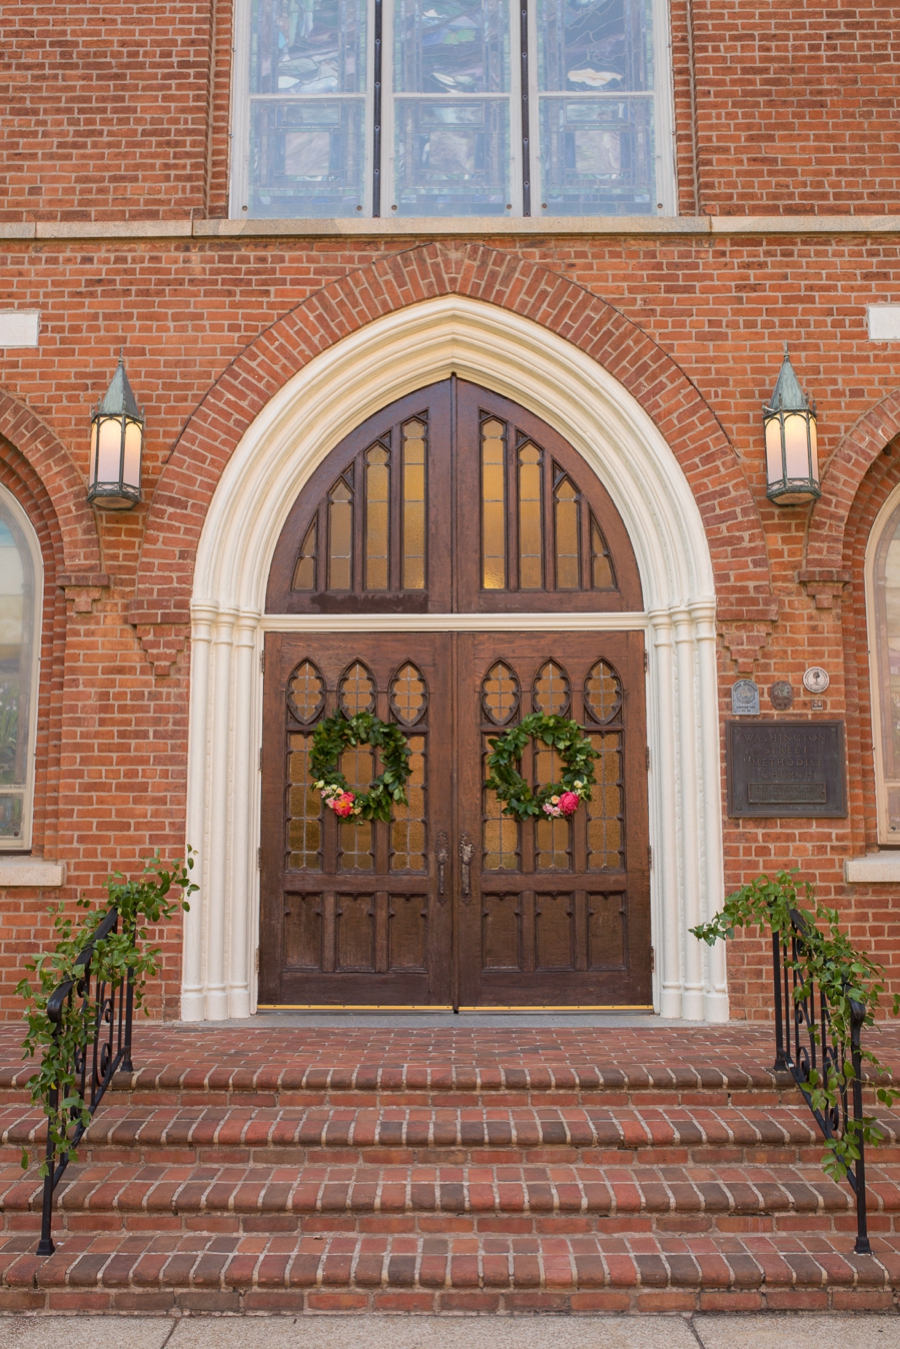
x=435 y=227
x=31 y=871
x=877 y=868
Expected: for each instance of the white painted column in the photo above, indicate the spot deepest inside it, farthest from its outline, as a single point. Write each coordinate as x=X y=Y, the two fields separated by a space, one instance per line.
x=664 y=887
x=241 y=908
x=692 y=823
x=193 y=997
x=716 y=993
x=218 y=829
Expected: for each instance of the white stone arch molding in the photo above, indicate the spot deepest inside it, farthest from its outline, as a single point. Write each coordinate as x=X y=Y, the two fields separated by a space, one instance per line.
x=337 y=390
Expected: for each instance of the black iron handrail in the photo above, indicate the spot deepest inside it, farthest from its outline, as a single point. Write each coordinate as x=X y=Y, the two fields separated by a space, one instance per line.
x=813 y=1046
x=106 y=1048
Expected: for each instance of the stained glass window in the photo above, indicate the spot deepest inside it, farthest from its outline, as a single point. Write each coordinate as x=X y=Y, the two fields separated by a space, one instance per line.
x=450 y=108
x=20 y=606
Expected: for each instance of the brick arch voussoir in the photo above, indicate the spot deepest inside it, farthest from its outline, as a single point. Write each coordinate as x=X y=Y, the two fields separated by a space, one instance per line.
x=842 y=479
x=64 y=485
x=734 y=530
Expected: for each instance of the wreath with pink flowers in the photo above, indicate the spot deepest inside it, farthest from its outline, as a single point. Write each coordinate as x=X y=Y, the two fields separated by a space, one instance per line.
x=338 y=733
x=559 y=798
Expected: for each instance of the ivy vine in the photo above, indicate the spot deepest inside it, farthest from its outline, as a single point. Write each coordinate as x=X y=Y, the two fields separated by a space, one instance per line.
x=559 y=798
x=842 y=974
x=139 y=903
x=338 y=733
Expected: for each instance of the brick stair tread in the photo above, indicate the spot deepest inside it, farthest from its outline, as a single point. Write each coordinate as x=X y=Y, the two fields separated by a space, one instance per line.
x=157 y=1261
x=509 y=1189
x=360 y=1128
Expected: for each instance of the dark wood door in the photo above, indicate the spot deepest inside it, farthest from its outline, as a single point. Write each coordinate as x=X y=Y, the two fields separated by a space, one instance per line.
x=453 y=903
x=356 y=912
x=454 y=500
x=555 y=912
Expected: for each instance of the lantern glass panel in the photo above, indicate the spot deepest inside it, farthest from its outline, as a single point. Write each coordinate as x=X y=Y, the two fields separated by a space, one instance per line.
x=131 y=468
x=796 y=445
x=110 y=450
x=94 y=438
x=774 y=468
x=814 y=449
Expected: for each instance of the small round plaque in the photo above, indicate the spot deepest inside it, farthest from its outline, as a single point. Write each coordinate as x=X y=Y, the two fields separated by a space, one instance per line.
x=781 y=695
x=816 y=679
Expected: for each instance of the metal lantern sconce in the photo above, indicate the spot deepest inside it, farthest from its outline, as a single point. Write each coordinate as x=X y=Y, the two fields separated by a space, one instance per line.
x=792 y=457
x=117 y=442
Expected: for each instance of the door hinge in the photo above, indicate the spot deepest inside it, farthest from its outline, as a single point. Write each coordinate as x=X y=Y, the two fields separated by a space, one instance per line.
x=257 y=960
x=648 y=759
x=260 y=758
x=646 y=661
x=652 y=960
x=258 y=858
x=650 y=856
x=262 y=660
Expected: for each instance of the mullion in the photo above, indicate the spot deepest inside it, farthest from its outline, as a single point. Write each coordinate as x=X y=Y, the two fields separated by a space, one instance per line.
x=377 y=110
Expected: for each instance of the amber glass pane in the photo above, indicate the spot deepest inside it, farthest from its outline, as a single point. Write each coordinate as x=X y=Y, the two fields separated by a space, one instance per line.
x=605 y=810
x=568 y=570
x=551 y=690
x=408 y=694
x=493 y=504
x=602 y=692
x=500 y=833
x=408 y=822
x=357 y=690
x=304 y=809
x=499 y=693
x=531 y=571
x=340 y=536
x=305 y=570
x=306 y=692
x=414 y=505
x=355 y=836
x=552 y=838
x=601 y=565
x=378 y=491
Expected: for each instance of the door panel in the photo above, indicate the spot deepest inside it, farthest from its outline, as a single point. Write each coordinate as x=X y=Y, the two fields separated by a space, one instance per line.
x=351 y=910
x=558 y=912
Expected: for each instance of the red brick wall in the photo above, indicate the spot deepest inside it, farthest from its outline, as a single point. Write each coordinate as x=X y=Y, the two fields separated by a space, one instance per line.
x=121 y=110
x=187 y=310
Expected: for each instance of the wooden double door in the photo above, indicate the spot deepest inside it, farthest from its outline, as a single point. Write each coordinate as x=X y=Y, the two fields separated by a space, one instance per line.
x=452 y=903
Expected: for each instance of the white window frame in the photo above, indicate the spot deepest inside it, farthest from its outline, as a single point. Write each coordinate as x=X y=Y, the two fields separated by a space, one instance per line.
x=23 y=843
x=885 y=836
x=663 y=120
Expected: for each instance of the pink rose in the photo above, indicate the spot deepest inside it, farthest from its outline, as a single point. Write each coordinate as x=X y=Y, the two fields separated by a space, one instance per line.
x=568 y=803
x=343 y=805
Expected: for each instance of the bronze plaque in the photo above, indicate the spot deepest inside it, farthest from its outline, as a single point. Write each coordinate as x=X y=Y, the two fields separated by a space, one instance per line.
x=785 y=768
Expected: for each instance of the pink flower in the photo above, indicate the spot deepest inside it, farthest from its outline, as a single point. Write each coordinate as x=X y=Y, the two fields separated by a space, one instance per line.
x=568 y=803
x=342 y=805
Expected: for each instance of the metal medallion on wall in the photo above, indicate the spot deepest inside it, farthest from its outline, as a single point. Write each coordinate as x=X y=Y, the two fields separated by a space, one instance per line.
x=781 y=696
x=745 y=698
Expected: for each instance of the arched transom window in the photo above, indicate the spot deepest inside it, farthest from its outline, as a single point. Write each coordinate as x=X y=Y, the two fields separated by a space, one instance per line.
x=21 y=582
x=453 y=498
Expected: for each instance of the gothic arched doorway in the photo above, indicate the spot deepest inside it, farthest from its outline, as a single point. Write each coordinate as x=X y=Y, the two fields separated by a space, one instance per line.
x=437 y=543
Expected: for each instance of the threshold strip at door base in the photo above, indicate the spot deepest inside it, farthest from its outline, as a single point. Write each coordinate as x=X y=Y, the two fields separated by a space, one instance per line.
x=442 y=1007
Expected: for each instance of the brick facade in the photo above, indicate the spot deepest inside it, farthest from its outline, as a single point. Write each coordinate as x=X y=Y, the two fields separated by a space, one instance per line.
x=784 y=112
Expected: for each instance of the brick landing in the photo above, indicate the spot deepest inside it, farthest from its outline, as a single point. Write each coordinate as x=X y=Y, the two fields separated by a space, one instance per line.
x=446 y=1169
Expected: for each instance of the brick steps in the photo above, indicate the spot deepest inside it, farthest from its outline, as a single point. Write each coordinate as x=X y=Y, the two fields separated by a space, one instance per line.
x=417 y=1135
x=422 y=1182
x=447 y=1273
x=518 y=1199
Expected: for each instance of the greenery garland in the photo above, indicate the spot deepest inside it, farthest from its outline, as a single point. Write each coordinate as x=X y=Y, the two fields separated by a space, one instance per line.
x=338 y=733
x=557 y=799
x=138 y=903
x=842 y=974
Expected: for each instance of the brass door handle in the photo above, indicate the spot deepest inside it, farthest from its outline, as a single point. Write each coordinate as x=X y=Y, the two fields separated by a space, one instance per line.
x=466 y=853
x=442 y=854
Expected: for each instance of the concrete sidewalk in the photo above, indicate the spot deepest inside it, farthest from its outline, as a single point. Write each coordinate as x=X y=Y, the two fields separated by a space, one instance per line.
x=797 y=1331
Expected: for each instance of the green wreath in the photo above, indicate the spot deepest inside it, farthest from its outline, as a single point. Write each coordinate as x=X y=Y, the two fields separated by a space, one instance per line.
x=559 y=798
x=337 y=733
